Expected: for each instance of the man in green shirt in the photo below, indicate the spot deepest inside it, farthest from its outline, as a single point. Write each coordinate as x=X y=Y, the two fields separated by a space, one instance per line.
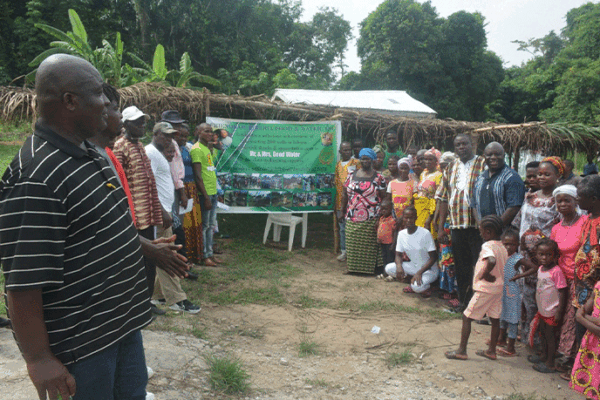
x=393 y=147
x=205 y=175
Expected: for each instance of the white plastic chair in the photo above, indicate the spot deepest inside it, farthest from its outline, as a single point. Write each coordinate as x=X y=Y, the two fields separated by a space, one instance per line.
x=280 y=220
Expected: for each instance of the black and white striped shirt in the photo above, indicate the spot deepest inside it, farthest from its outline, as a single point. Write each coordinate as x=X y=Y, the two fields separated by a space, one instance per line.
x=65 y=227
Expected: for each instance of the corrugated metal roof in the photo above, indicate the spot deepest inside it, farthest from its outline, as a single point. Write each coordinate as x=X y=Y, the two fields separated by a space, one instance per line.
x=390 y=101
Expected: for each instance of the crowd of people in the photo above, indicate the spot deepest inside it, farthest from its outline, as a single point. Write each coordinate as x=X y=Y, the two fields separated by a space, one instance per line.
x=521 y=255
x=97 y=231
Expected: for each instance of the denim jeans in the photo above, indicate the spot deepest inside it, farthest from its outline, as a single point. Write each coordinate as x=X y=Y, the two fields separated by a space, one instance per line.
x=115 y=373
x=209 y=223
x=342 y=225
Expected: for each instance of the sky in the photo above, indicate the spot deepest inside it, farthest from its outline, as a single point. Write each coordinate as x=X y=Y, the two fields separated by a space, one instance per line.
x=507 y=20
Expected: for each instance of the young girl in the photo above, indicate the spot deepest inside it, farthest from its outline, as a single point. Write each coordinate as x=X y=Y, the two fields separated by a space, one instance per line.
x=391 y=172
x=511 y=295
x=386 y=233
x=551 y=297
x=401 y=190
x=487 y=289
x=585 y=377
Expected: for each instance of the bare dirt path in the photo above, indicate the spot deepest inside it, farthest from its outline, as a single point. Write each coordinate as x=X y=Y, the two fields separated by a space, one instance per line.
x=336 y=312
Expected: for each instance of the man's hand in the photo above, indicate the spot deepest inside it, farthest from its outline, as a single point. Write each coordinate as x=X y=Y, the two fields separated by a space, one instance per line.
x=488 y=277
x=207 y=203
x=50 y=375
x=183 y=199
x=442 y=237
x=163 y=252
x=400 y=275
x=167 y=220
x=418 y=279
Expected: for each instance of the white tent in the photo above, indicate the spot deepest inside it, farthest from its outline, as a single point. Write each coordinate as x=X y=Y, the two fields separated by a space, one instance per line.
x=393 y=102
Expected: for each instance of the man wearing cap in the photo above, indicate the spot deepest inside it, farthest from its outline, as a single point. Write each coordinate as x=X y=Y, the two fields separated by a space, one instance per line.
x=148 y=211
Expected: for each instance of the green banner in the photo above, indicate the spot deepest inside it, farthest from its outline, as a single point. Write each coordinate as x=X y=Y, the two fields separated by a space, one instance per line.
x=277 y=166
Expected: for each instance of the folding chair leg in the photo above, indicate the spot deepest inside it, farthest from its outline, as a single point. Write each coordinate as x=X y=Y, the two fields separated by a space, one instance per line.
x=277 y=232
x=291 y=241
x=267 y=229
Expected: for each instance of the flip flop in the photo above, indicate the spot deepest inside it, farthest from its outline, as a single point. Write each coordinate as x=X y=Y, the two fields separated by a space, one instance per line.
x=408 y=289
x=483 y=353
x=506 y=353
x=534 y=358
x=454 y=303
x=543 y=368
x=498 y=344
x=454 y=355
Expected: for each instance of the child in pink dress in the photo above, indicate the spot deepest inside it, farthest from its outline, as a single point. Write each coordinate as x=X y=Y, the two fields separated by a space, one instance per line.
x=551 y=297
x=585 y=377
x=488 y=283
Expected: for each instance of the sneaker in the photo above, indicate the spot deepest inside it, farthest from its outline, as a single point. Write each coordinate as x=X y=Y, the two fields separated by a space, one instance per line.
x=156 y=310
x=186 y=306
x=158 y=302
x=149 y=396
x=150 y=372
x=342 y=257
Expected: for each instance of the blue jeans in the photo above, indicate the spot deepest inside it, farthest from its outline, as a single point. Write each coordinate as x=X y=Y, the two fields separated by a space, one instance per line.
x=209 y=223
x=342 y=225
x=115 y=373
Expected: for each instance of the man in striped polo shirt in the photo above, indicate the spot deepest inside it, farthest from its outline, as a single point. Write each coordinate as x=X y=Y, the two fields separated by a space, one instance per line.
x=75 y=281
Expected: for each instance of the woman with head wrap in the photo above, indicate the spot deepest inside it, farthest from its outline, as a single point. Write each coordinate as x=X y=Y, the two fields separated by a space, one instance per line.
x=567 y=233
x=364 y=190
x=535 y=221
x=379 y=158
x=424 y=197
x=401 y=190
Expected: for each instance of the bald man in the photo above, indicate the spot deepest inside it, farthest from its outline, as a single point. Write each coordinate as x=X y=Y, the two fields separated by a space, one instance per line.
x=499 y=190
x=75 y=281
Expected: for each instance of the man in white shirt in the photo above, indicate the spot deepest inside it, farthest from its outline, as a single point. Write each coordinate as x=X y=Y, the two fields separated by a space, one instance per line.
x=168 y=289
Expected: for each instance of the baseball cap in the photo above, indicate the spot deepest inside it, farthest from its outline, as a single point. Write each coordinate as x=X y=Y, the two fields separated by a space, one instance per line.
x=172 y=116
x=163 y=127
x=132 y=113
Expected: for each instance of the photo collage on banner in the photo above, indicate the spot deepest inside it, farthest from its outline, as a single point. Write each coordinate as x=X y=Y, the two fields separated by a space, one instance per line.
x=271 y=166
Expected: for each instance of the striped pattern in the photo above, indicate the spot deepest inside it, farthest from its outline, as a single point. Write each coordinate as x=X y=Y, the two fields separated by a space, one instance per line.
x=505 y=189
x=65 y=227
x=138 y=171
x=362 y=251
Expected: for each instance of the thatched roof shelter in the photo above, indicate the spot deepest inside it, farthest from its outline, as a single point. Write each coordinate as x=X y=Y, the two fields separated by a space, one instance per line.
x=153 y=98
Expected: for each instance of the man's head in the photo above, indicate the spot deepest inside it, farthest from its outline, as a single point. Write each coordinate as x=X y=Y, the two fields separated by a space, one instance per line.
x=391 y=139
x=419 y=163
x=134 y=121
x=494 y=156
x=182 y=134
x=357 y=146
x=531 y=175
x=204 y=132
x=412 y=150
x=463 y=146
x=345 y=151
x=588 y=193
x=569 y=166
x=114 y=124
x=169 y=152
x=70 y=97
x=163 y=134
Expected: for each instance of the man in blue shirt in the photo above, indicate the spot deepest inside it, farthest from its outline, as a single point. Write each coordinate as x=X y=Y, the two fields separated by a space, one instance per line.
x=499 y=190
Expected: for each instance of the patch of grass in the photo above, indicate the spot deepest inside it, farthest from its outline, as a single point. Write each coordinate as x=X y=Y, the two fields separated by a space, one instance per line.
x=382 y=305
x=253 y=333
x=394 y=359
x=227 y=374
x=7 y=153
x=316 y=382
x=247 y=295
x=199 y=332
x=15 y=131
x=306 y=301
x=308 y=348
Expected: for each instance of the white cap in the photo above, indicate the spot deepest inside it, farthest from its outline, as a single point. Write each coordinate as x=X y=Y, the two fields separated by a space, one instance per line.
x=132 y=113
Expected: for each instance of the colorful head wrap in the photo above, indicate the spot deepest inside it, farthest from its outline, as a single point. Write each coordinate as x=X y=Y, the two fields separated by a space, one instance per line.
x=565 y=189
x=367 y=152
x=448 y=157
x=378 y=149
x=434 y=152
x=557 y=162
x=405 y=160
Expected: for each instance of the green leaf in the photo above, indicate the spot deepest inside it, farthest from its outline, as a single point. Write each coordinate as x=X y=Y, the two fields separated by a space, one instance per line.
x=57 y=33
x=158 y=62
x=77 y=25
x=42 y=56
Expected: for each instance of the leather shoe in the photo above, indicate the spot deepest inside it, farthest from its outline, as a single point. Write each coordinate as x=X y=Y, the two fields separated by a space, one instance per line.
x=156 y=310
x=209 y=263
x=192 y=276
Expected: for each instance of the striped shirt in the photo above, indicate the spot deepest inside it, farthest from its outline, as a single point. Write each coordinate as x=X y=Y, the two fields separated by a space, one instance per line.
x=457 y=188
x=138 y=171
x=494 y=194
x=65 y=228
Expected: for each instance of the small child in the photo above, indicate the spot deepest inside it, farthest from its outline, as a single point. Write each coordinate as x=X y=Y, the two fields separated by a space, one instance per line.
x=401 y=190
x=551 y=297
x=391 y=172
x=511 y=295
x=585 y=377
x=487 y=289
x=386 y=232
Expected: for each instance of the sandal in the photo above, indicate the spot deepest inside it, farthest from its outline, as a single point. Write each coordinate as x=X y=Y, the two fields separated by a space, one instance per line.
x=565 y=376
x=454 y=355
x=543 y=368
x=408 y=289
x=534 y=358
x=454 y=303
x=505 y=353
x=484 y=353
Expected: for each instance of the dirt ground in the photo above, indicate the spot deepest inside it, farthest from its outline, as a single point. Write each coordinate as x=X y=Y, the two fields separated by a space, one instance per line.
x=337 y=313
